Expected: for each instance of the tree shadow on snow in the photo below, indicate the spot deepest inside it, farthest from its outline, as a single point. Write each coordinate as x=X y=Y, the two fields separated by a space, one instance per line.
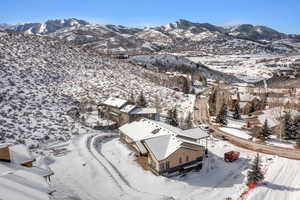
x=217 y=173
x=280 y=187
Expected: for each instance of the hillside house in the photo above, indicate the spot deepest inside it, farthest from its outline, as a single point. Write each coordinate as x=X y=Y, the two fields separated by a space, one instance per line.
x=248 y=103
x=20 y=157
x=167 y=149
x=122 y=112
x=18 y=154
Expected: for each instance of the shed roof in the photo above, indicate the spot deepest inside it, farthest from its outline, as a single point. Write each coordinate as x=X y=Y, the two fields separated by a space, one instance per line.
x=115 y=102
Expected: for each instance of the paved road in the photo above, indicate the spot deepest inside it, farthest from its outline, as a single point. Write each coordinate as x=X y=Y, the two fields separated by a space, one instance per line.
x=201 y=115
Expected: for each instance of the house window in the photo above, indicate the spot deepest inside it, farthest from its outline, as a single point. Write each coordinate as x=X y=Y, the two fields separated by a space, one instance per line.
x=180 y=160
x=162 y=167
x=187 y=159
x=167 y=165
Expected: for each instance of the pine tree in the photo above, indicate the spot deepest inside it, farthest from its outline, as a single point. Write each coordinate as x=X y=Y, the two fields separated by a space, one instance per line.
x=141 y=101
x=186 y=87
x=222 y=115
x=298 y=140
x=172 y=118
x=290 y=127
x=169 y=117
x=188 y=121
x=236 y=114
x=265 y=132
x=255 y=174
x=212 y=100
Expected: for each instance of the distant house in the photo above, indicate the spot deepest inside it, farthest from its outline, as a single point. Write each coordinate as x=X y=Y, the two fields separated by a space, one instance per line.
x=122 y=111
x=18 y=154
x=19 y=173
x=167 y=149
x=248 y=103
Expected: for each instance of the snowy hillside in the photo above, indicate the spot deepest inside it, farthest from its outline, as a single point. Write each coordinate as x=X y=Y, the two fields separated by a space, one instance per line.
x=42 y=78
x=181 y=64
x=178 y=36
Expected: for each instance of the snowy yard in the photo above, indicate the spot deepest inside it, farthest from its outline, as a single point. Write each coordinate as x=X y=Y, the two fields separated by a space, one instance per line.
x=109 y=171
x=234 y=127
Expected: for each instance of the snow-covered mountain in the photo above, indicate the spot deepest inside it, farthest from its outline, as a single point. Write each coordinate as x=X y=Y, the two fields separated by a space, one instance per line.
x=49 y=26
x=259 y=33
x=178 y=36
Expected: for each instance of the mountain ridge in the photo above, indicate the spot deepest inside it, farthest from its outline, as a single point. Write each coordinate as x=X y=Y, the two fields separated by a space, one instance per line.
x=181 y=35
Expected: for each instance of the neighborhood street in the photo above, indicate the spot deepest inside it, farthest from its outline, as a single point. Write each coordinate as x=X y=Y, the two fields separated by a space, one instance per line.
x=201 y=115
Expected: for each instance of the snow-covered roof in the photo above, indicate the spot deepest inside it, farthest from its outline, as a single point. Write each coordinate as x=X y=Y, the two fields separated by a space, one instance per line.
x=194 y=133
x=20 y=154
x=128 y=108
x=115 y=102
x=13 y=186
x=159 y=137
x=4 y=145
x=144 y=129
x=140 y=111
x=246 y=97
x=163 y=146
x=141 y=147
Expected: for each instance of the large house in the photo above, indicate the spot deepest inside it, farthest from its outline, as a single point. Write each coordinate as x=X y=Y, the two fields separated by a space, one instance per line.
x=122 y=111
x=167 y=149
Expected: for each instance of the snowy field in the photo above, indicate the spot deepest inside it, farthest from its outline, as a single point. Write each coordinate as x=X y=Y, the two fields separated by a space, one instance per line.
x=234 y=127
x=109 y=171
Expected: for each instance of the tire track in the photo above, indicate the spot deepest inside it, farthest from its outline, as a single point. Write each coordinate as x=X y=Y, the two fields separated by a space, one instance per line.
x=95 y=141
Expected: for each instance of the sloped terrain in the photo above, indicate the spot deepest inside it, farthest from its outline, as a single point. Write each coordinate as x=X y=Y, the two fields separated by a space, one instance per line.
x=178 y=36
x=177 y=63
x=42 y=78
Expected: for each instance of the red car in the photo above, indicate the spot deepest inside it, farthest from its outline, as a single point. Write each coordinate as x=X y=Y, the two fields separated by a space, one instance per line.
x=231 y=156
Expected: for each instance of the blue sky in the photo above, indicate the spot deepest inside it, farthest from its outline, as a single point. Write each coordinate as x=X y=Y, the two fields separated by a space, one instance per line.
x=283 y=15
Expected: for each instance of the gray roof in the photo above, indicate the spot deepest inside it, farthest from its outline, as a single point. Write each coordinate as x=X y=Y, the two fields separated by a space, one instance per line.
x=115 y=102
x=163 y=146
x=140 y=111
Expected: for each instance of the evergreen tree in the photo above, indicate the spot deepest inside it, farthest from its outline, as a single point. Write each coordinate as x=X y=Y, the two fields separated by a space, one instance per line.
x=212 y=100
x=265 y=132
x=222 y=115
x=290 y=127
x=141 y=101
x=298 y=140
x=172 y=118
x=236 y=114
x=255 y=174
x=188 y=121
x=186 y=87
x=169 y=117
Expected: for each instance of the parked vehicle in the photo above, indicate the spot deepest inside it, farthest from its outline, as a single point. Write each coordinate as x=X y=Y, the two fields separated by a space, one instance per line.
x=231 y=156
